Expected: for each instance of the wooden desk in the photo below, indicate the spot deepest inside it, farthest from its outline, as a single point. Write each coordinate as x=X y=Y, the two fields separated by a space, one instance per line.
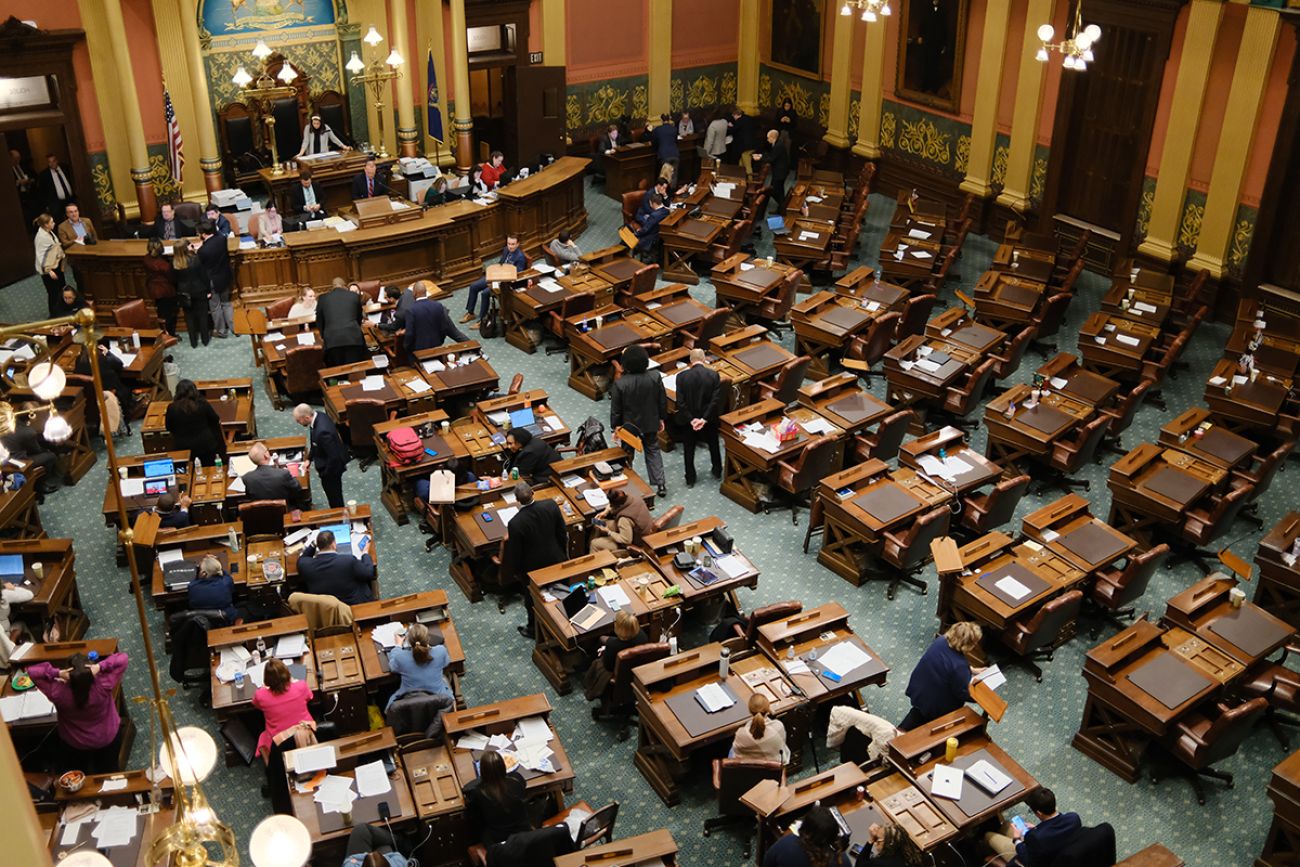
x=1121 y=718
x=1152 y=485
x=747 y=464
x=500 y=718
x=807 y=636
x=1278 y=590
x=1248 y=634
x=430 y=607
x=1032 y=430
x=593 y=349
x=665 y=545
x=656 y=847
x=397 y=480
x=458 y=372
x=55 y=596
x=1116 y=346
x=1040 y=571
x=826 y=322
x=231 y=398
x=1068 y=529
x=1063 y=373
x=1194 y=433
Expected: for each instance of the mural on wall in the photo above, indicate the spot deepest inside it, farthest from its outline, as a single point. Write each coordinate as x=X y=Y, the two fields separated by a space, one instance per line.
x=221 y=17
x=797 y=34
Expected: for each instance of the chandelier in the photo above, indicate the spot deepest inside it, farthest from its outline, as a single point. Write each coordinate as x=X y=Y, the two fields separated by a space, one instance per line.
x=870 y=8
x=1077 y=45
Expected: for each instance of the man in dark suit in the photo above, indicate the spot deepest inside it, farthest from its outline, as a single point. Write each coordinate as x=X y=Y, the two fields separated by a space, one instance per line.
x=328 y=454
x=535 y=538
x=173 y=513
x=169 y=227
x=531 y=455
x=369 y=183
x=306 y=201
x=699 y=402
x=266 y=481
x=339 y=315
x=323 y=569
x=55 y=186
x=214 y=256
x=427 y=323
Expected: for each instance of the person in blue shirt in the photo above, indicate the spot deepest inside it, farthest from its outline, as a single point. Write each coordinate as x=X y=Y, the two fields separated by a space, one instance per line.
x=511 y=255
x=940 y=683
x=419 y=664
x=214 y=589
x=372 y=846
x=648 y=235
x=1043 y=843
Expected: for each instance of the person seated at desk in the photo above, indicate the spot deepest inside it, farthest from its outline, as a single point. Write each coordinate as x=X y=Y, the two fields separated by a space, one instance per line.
x=347 y=578
x=318 y=138
x=68 y=302
x=174 y=514
x=494 y=171
x=23 y=443
x=89 y=727
x=289 y=724
x=762 y=737
x=438 y=193
x=818 y=843
x=170 y=227
x=427 y=323
x=266 y=481
x=339 y=314
x=496 y=815
x=194 y=425
x=369 y=183
x=419 y=664
x=372 y=846
x=889 y=846
x=218 y=220
x=1044 y=842
x=625 y=521
x=565 y=249
x=529 y=454
x=510 y=255
x=306 y=201
x=941 y=681
x=213 y=590
x=535 y=538
x=304 y=304
x=270 y=229
x=647 y=243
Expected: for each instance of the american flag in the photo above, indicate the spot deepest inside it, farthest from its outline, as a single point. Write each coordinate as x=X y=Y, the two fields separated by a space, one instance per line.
x=175 y=142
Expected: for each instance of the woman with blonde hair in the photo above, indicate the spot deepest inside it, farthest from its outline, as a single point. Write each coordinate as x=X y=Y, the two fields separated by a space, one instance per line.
x=762 y=737
x=419 y=663
x=941 y=681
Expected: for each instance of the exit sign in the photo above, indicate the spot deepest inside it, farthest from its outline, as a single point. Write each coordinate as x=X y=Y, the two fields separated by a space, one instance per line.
x=534 y=57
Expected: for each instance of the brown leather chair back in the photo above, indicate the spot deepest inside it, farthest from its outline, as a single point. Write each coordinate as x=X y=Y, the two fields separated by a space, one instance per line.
x=789 y=379
x=916 y=315
x=1141 y=568
x=263 y=517
x=631 y=203
x=927 y=528
x=302 y=365
x=668 y=519
x=1051 y=624
x=628 y=659
x=1002 y=502
x=516 y=384
x=1053 y=314
x=1227 y=733
x=363 y=414
x=133 y=314
x=279 y=309
x=815 y=464
x=643 y=280
x=767 y=614
x=888 y=437
x=735 y=777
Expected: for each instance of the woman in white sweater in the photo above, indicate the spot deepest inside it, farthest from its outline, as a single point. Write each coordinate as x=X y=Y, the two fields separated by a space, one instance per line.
x=761 y=738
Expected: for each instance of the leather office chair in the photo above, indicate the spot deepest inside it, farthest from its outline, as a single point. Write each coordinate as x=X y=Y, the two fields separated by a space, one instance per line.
x=1200 y=740
x=985 y=512
x=908 y=552
x=774 y=310
x=1050 y=319
x=962 y=400
x=516 y=384
x=733 y=778
x=582 y=302
x=915 y=315
x=631 y=204
x=1203 y=525
x=668 y=519
x=1071 y=454
x=363 y=414
x=883 y=443
x=1260 y=477
x=619 y=701
x=784 y=387
x=1122 y=415
x=871 y=346
x=1009 y=362
x=263 y=518
x=1037 y=637
x=302 y=365
x=279 y=309
x=1115 y=591
x=796 y=480
x=714 y=324
x=1280 y=687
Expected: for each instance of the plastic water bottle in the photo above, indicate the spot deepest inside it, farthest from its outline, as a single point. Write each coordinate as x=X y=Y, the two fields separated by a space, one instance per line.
x=724 y=663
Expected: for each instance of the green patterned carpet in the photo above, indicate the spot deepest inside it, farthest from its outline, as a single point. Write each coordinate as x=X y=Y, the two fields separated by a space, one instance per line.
x=1036 y=730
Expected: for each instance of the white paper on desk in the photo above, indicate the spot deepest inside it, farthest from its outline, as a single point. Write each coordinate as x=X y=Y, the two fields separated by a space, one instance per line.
x=747 y=266
x=291 y=646
x=922 y=254
x=1011 y=587
x=992 y=677
x=1143 y=307
x=533 y=729
x=131 y=487
x=373 y=382
x=433 y=365
x=918 y=233
x=946 y=782
x=1126 y=340
x=572 y=481
x=714 y=698
x=817 y=426
x=764 y=441
x=843 y=658
x=1238 y=379
x=417 y=385
x=170 y=555
x=732 y=565
x=128 y=358
x=116 y=827
x=614 y=596
x=372 y=779
x=670 y=382
x=504 y=515
x=116 y=784
x=311 y=759
x=388 y=634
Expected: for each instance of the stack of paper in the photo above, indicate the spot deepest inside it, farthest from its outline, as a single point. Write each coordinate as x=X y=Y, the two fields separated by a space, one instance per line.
x=335 y=794
x=387 y=634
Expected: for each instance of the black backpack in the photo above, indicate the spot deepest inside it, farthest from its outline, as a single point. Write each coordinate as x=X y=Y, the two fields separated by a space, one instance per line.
x=591 y=436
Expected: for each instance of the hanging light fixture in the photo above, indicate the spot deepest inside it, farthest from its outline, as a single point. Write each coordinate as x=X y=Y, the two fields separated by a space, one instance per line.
x=1076 y=48
x=871 y=9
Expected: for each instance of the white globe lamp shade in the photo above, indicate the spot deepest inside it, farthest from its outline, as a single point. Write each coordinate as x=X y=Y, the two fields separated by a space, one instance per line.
x=279 y=841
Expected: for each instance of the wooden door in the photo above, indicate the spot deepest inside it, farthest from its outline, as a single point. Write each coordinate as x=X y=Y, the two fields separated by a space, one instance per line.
x=535 y=107
x=1104 y=118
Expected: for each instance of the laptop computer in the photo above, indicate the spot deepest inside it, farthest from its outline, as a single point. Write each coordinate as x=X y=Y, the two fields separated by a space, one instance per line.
x=776 y=223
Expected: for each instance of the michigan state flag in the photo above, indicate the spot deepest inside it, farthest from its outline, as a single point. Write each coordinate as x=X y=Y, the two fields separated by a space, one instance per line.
x=435 y=113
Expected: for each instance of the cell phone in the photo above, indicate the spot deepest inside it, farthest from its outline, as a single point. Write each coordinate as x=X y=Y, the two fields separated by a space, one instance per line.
x=1020 y=824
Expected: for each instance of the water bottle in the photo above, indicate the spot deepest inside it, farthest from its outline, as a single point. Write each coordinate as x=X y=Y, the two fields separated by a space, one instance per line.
x=724 y=663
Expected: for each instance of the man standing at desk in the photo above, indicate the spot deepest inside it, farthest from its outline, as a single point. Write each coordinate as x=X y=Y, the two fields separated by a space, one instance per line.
x=535 y=538
x=511 y=255
x=306 y=202
x=699 y=402
x=427 y=323
x=369 y=184
x=347 y=578
x=266 y=481
x=328 y=454
x=339 y=314
x=638 y=400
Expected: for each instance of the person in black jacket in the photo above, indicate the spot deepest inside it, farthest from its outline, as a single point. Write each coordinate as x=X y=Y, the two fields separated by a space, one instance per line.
x=531 y=455
x=535 y=538
x=369 y=183
x=427 y=323
x=269 y=482
x=194 y=425
x=699 y=403
x=778 y=162
x=214 y=256
x=323 y=569
x=638 y=400
x=339 y=314
x=306 y=200
x=328 y=454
